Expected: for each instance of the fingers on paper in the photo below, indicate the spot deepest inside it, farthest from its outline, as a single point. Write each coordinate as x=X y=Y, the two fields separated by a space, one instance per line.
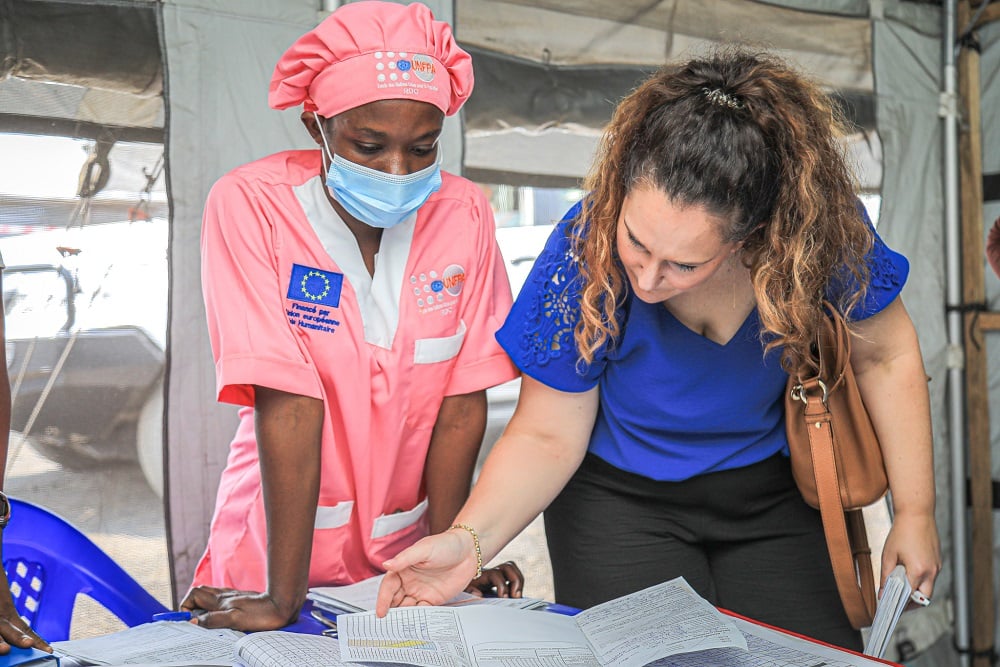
x=390 y=592
x=219 y=619
x=202 y=597
x=15 y=633
x=504 y=580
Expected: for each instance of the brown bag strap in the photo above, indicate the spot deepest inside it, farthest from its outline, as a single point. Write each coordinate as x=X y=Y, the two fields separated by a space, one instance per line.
x=834 y=335
x=858 y=598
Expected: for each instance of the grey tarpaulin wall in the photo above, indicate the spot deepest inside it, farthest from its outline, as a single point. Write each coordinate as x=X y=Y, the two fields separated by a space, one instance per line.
x=219 y=55
x=907 y=63
x=219 y=58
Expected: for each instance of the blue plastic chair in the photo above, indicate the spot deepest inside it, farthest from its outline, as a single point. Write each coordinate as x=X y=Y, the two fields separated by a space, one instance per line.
x=49 y=561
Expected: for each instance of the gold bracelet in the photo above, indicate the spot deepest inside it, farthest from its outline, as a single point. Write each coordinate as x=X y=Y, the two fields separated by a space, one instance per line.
x=475 y=542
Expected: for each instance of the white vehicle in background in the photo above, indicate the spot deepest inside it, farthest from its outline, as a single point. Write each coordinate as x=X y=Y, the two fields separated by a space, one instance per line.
x=86 y=311
x=521 y=235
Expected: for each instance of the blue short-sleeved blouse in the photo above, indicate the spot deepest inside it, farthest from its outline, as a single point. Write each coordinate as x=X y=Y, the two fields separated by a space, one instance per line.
x=673 y=404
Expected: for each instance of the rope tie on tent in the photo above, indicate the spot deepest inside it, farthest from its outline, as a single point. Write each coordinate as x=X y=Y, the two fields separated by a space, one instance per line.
x=141 y=209
x=50 y=382
x=967 y=38
x=975 y=307
x=988 y=652
x=94 y=176
x=968 y=307
x=19 y=379
x=971 y=42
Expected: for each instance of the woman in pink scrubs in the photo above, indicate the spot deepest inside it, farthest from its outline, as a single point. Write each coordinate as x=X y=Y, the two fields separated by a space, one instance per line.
x=352 y=293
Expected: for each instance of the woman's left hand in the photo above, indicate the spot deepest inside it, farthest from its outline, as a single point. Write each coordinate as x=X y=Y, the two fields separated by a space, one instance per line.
x=13 y=630
x=247 y=611
x=913 y=542
x=503 y=581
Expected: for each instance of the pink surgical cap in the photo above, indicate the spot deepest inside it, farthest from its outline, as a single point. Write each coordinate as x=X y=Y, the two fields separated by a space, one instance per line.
x=367 y=51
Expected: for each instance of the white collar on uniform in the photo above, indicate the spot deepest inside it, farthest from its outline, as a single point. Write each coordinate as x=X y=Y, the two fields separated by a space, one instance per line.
x=378 y=295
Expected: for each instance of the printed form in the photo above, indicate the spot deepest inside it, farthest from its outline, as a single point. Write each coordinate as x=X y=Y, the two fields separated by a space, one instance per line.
x=631 y=631
x=158 y=642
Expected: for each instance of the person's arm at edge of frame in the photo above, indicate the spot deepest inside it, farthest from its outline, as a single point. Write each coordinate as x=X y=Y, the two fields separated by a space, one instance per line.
x=451 y=462
x=538 y=452
x=890 y=372
x=289 y=430
x=993 y=247
x=13 y=630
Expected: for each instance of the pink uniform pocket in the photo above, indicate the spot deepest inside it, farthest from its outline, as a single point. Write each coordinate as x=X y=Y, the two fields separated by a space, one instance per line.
x=391 y=533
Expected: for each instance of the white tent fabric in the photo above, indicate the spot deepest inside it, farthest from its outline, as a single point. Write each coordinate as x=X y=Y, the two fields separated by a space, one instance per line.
x=832 y=38
x=219 y=55
x=219 y=61
x=907 y=75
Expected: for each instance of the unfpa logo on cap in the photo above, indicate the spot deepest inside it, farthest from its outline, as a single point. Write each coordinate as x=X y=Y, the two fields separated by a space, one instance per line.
x=423 y=67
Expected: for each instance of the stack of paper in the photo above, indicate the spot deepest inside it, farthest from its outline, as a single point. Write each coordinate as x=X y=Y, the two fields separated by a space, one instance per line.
x=893 y=599
x=27 y=656
x=362 y=595
x=666 y=624
x=158 y=642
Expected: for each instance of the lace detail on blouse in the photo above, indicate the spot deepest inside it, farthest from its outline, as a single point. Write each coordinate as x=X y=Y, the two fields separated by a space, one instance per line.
x=884 y=275
x=554 y=286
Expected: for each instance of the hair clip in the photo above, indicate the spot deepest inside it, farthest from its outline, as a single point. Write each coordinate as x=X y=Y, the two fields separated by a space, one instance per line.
x=722 y=98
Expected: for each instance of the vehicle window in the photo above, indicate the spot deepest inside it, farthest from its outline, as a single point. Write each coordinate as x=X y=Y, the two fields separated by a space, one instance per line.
x=36 y=301
x=525 y=217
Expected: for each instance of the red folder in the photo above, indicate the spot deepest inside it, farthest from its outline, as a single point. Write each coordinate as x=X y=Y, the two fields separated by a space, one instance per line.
x=867 y=658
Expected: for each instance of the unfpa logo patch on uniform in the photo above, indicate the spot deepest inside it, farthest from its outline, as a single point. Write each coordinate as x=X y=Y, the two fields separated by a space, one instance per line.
x=453 y=279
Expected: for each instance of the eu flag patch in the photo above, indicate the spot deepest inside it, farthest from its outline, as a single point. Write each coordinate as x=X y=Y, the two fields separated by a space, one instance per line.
x=315 y=286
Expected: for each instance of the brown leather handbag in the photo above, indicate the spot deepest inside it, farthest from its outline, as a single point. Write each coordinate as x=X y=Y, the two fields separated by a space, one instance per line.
x=837 y=463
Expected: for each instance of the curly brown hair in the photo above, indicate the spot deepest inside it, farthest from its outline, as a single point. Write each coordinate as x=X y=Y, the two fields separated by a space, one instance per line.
x=757 y=145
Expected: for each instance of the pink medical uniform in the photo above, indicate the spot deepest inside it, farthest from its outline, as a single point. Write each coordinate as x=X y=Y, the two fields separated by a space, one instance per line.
x=291 y=307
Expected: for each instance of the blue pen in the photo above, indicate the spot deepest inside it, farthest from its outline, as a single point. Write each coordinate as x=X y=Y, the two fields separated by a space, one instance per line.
x=565 y=610
x=172 y=616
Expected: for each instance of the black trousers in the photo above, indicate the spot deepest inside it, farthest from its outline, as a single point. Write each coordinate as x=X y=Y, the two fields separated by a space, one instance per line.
x=743 y=539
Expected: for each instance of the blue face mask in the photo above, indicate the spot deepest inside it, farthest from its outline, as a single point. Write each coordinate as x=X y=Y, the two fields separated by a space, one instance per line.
x=377 y=198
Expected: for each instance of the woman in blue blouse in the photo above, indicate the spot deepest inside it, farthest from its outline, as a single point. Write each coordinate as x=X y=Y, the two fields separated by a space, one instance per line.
x=655 y=336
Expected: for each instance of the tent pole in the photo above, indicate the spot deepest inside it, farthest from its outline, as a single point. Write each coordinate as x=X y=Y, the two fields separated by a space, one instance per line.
x=956 y=408
x=977 y=410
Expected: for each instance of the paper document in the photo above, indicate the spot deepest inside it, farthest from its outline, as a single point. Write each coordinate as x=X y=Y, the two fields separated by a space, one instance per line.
x=353 y=597
x=893 y=599
x=286 y=649
x=631 y=631
x=361 y=596
x=30 y=657
x=160 y=642
x=768 y=647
